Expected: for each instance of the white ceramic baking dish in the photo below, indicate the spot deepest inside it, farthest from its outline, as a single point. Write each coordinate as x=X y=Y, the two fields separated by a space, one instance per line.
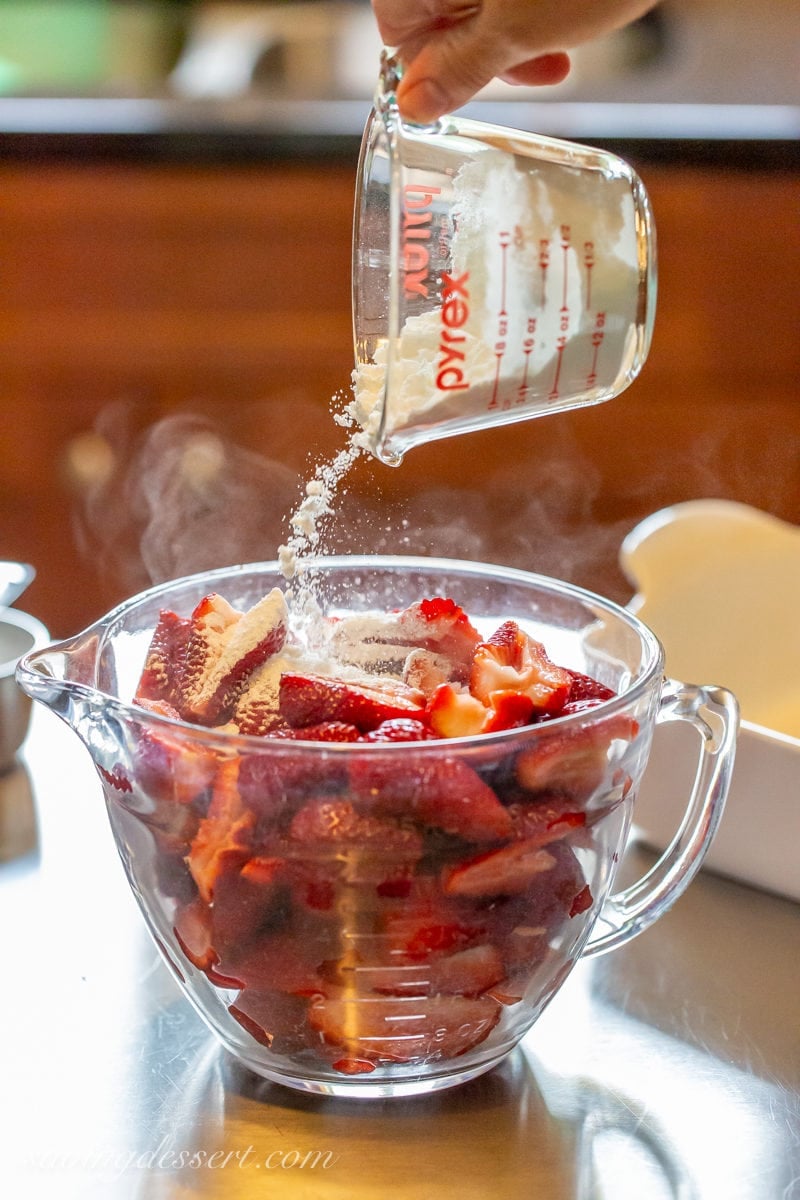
x=718 y=582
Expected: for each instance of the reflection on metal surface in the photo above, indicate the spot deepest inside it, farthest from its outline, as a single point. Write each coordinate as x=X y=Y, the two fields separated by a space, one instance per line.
x=668 y=1070
x=18 y=832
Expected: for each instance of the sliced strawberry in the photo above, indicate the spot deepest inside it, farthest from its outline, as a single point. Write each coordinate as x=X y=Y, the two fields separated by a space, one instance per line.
x=582 y=902
x=277 y=962
x=223 y=841
x=513 y=661
x=441 y=626
x=454 y=712
x=504 y=872
x=400 y=729
x=325 y=731
x=311 y=699
x=547 y=820
x=245 y=901
x=467 y=972
x=428 y=924
x=572 y=761
x=584 y=687
x=415 y=936
x=276 y=1018
x=161 y=677
x=440 y=791
x=335 y=821
x=171 y=767
x=425 y=670
x=210 y=621
x=403 y=1028
x=243 y=645
x=276 y=776
x=353 y=1066
x=193 y=930
x=508 y=710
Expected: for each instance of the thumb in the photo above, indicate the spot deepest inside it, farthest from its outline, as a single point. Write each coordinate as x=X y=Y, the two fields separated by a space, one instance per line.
x=448 y=71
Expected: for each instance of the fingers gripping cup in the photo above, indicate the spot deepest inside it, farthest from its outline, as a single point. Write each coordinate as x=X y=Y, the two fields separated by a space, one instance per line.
x=497 y=275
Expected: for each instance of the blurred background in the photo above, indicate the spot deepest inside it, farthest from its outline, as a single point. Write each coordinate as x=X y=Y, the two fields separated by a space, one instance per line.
x=176 y=190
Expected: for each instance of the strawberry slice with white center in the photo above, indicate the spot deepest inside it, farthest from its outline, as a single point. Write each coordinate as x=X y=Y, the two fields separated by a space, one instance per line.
x=313 y=699
x=454 y=712
x=512 y=661
x=242 y=645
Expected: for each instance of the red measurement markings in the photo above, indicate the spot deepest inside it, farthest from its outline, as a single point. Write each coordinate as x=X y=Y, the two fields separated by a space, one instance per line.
x=565 y=246
x=505 y=240
x=588 y=262
x=527 y=349
x=544 y=263
x=563 y=315
x=500 y=345
x=499 y=351
x=598 y=334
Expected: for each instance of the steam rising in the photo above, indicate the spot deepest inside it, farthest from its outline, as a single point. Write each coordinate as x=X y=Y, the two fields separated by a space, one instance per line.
x=183 y=499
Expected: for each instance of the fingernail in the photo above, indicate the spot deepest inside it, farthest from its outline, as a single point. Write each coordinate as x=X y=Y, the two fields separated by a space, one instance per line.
x=423 y=101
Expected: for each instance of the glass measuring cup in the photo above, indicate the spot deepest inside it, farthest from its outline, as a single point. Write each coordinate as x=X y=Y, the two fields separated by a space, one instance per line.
x=497 y=275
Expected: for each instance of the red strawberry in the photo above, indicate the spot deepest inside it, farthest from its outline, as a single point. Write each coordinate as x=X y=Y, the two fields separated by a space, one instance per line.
x=504 y=872
x=171 y=766
x=509 y=710
x=512 y=661
x=582 y=902
x=369 y=848
x=441 y=626
x=161 y=677
x=194 y=932
x=223 y=841
x=468 y=972
x=402 y=1028
x=325 y=731
x=279 y=962
x=210 y=620
x=443 y=792
x=276 y=1019
x=400 y=729
x=547 y=820
x=415 y=935
x=572 y=761
x=584 y=687
x=311 y=699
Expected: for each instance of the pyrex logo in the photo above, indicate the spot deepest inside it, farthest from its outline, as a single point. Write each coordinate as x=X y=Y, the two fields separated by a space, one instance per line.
x=417 y=223
x=451 y=376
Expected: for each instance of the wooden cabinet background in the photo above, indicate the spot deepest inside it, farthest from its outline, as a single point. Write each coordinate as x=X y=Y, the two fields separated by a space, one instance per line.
x=171 y=306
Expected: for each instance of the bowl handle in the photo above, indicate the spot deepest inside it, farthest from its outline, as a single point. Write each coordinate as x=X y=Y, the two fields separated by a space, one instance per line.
x=714 y=712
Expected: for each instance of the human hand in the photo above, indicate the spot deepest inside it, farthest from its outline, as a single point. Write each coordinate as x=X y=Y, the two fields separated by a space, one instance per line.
x=451 y=48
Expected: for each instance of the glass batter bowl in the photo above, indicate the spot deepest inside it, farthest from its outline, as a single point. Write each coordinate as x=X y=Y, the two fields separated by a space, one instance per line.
x=395 y=955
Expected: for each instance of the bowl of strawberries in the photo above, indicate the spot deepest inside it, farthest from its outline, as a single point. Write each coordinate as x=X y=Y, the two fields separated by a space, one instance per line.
x=373 y=821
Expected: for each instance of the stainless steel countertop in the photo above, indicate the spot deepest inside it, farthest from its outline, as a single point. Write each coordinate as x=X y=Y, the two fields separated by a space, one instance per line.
x=670 y=1068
